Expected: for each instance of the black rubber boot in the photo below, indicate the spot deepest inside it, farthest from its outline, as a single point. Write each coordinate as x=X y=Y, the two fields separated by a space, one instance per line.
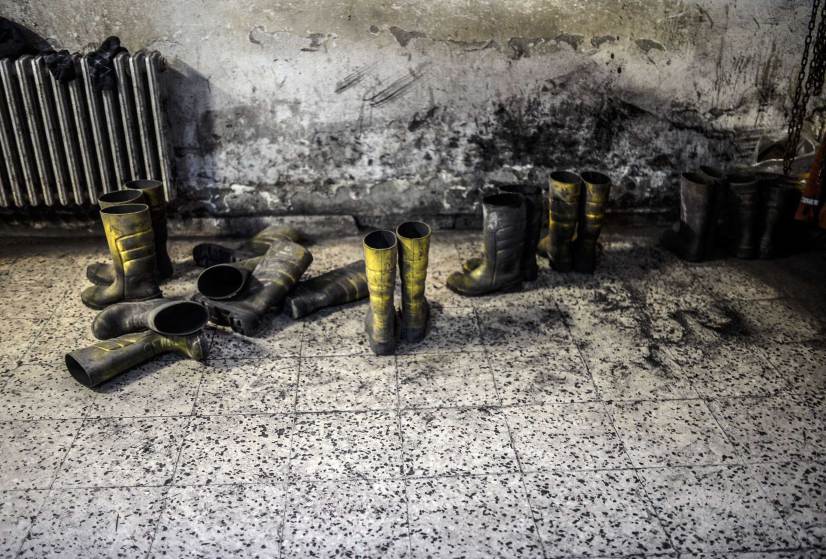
x=717 y=229
x=744 y=209
x=534 y=214
x=593 y=200
x=696 y=197
x=240 y=299
x=563 y=200
x=337 y=287
x=162 y=315
x=176 y=326
x=504 y=241
x=781 y=199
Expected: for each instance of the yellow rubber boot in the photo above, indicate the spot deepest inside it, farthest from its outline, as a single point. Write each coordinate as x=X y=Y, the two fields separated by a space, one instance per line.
x=414 y=242
x=563 y=196
x=380 y=258
x=128 y=229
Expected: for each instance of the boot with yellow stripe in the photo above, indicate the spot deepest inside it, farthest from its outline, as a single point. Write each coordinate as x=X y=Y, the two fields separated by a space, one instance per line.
x=239 y=295
x=149 y=192
x=381 y=322
x=131 y=241
x=593 y=200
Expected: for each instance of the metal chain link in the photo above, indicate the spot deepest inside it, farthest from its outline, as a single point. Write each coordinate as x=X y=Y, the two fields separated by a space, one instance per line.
x=804 y=86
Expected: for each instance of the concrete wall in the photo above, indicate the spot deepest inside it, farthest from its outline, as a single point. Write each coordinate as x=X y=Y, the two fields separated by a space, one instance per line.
x=372 y=107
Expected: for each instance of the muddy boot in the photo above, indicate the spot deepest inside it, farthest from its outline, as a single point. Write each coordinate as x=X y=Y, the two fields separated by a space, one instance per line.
x=503 y=217
x=173 y=327
x=414 y=243
x=381 y=323
x=210 y=254
x=100 y=273
x=690 y=239
x=337 y=287
x=593 y=199
x=744 y=209
x=717 y=228
x=781 y=199
x=128 y=231
x=534 y=213
x=239 y=295
x=563 y=198
x=153 y=196
x=124 y=318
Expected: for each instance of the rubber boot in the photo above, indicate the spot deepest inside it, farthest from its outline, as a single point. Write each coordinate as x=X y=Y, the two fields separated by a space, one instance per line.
x=716 y=231
x=781 y=199
x=153 y=196
x=744 y=208
x=593 y=199
x=128 y=230
x=503 y=217
x=563 y=198
x=381 y=323
x=100 y=273
x=534 y=213
x=239 y=295
x=170 y=331
x=210 y=254
x=696 y=198
x=163 y=315
x=337 y=287
x=414 y=244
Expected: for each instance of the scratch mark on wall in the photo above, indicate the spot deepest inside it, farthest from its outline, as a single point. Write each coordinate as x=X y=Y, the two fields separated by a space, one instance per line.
x=353 y=78
x=397 y=87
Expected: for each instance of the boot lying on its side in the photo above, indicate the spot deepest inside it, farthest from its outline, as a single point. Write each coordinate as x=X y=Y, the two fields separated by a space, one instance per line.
x=175 y=326
x=337 y=287
x=210 y=254
x=239 y=295
x=124 y=318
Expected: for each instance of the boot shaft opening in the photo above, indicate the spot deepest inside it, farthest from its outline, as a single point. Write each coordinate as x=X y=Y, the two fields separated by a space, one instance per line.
x=119 y=197
x=413 y=230
x=596 y=178
x=380 y=240
x=565 y=177
x=221 y=281
x=178 y=318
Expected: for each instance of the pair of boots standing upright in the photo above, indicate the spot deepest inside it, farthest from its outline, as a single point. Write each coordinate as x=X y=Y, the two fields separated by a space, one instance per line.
x=749 y=213
x=134 y=222
x=381 y=256
x=512 y=225
x=576 y=215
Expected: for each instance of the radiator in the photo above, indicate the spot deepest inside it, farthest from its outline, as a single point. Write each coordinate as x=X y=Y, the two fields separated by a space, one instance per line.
x=64 y=144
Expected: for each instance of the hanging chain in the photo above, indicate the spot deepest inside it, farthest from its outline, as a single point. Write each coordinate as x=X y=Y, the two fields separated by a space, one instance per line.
x=807 y=85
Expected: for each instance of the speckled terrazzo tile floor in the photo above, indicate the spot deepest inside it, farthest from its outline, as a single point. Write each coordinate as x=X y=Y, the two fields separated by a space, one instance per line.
x=655 y=409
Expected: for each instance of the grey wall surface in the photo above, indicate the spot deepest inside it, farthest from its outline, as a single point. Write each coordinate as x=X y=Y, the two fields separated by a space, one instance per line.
x=373 y=107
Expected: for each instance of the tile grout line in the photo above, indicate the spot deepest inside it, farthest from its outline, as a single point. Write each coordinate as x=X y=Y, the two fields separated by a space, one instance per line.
x=168 y=486
x=635 y=473
x=405 y=482
x=288 y=482
x=533 y=511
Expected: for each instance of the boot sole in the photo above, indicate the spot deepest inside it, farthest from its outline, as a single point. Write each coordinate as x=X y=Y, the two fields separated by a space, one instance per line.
x=508 y=288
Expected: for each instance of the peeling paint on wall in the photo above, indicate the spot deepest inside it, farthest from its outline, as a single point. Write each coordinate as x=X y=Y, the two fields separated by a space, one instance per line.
x=325 y=106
